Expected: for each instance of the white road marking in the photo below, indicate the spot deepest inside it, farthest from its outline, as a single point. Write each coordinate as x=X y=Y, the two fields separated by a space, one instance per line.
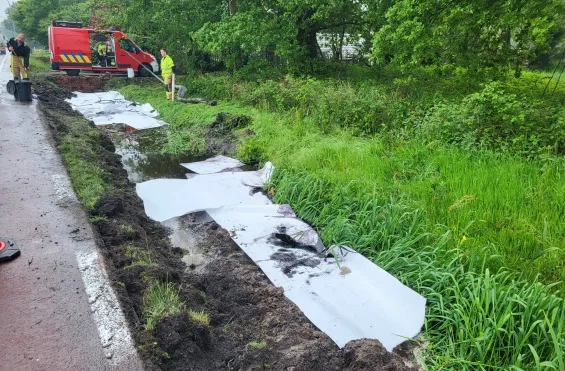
x=112 y=326
x=63 y=190
x=4 y=61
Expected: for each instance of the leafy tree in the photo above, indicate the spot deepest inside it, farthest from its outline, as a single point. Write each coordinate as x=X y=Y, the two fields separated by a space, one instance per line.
x=466 y=33
x=33 y=17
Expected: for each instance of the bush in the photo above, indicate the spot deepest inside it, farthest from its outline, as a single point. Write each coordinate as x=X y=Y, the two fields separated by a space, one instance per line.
x=497 y=120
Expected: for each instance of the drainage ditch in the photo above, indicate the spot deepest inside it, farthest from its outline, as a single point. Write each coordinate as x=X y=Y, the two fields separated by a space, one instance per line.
x=252 y=326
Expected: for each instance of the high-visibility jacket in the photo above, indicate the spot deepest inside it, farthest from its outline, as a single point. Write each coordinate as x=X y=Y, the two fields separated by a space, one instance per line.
x=167 y=65
x=102 y=49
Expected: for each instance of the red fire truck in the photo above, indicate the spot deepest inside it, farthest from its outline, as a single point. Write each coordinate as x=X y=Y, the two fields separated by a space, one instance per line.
x=74 y=48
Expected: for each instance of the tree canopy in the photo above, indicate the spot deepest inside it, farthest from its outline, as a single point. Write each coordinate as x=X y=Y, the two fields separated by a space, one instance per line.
x=469 y=33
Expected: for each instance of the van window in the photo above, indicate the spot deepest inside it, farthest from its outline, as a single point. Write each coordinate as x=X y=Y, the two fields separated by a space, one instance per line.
x=128 y=46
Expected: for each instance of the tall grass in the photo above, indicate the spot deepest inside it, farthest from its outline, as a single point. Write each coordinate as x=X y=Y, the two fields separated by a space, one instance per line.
x=477 y=232
x=476 y=319
x=39 y=61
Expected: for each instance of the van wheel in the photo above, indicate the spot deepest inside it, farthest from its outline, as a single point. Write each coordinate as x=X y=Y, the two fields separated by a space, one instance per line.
x=72 y=72
x=143 y=71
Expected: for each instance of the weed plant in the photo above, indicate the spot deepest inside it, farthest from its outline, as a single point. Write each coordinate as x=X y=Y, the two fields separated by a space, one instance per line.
x=140 y=257
x=160 y=300
x=199 y=316
x=256 y=345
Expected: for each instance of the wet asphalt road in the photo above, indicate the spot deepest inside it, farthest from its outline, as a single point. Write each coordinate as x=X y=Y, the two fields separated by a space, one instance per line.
x=57 y=311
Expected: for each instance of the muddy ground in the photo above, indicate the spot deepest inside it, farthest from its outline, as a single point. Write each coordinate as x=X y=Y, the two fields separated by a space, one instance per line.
x=252 y=325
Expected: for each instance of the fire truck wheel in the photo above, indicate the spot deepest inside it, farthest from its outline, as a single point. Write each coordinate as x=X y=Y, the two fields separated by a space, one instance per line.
x=143 y=72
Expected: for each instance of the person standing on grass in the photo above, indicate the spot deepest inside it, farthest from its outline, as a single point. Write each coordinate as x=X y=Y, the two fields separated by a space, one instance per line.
x=167 y=71
x=20 y=57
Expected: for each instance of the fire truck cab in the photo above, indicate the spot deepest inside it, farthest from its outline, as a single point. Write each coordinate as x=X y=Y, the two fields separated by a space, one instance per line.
x=73 y=48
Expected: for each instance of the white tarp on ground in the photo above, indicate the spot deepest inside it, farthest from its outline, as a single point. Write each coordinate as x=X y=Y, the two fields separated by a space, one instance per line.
x=367 y=302
x=164 y=199
x=213 y=165
x=354 y=300
x=107 y=108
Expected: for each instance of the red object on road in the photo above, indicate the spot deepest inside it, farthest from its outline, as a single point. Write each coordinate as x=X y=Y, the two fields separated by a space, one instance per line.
x=73 y=48
x=8 y=249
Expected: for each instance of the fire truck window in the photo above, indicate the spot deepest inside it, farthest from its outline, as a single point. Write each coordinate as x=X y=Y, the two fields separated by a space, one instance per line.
x=127 y=46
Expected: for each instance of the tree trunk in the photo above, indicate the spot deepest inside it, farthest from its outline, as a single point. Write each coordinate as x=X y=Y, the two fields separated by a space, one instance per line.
x=233 y=6
x=307 y=29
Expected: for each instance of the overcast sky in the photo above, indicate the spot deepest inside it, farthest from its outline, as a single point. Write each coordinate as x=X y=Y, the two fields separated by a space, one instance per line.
x=3 y=6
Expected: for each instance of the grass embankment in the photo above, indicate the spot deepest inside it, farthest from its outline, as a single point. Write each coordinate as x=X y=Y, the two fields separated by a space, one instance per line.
x=422 y=177
x=39 y=61
x=134 y=256
x=79 y=144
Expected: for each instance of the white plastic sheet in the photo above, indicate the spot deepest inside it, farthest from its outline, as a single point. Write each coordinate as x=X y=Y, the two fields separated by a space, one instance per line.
x=365 y=302
x=168 y=198
x=107 y=108
x=213 y=165
x=354 y=300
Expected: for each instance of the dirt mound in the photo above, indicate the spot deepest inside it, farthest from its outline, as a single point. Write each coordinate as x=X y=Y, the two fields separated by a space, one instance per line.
x=84 y=84
x=250 y=324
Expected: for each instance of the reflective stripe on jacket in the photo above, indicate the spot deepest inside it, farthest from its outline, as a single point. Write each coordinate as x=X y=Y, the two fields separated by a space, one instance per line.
x=167 y=66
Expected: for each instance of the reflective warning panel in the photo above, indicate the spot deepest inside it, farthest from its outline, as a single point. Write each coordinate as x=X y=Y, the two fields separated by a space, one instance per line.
x=74 y=57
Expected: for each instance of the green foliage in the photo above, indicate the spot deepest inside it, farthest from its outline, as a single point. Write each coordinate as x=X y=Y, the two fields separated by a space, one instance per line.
x=160 y=300
x=206 y=36
x=250 y=150
x=140 y=257
x=469 y=33
x=478 y=320
x=97 y=219
x=454 y=187
x=495 y=119
x=34 y=16
x=39 y=61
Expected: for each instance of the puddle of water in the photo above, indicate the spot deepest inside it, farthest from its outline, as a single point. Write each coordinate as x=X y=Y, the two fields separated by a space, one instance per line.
x=184 y=234
x=141 y=158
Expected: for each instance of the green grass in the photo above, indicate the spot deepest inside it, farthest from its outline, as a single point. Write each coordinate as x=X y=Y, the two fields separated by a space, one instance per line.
x=199 y=316
x=127 y=228
x=39 y=61
x=87 y=177
x=79 y=145
x=141 y=257
x=256 y=345
x=186 y=122
x=160 y=300
x=477 y=232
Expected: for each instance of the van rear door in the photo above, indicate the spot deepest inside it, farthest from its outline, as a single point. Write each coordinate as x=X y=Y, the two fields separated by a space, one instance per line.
x=71 y=47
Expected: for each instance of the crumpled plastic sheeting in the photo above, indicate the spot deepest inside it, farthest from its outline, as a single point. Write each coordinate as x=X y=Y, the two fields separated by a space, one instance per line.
x=352 y=300
x=107 y=108
x=168 y=198
x=213 y=165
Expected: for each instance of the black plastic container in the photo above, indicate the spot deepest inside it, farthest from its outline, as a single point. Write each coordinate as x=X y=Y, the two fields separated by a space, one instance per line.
x=23 y=91
x=11 y=87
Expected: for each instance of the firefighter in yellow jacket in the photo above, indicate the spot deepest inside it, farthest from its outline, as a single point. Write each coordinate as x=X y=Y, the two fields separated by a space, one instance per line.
x=20 y=56
x=167 y=71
